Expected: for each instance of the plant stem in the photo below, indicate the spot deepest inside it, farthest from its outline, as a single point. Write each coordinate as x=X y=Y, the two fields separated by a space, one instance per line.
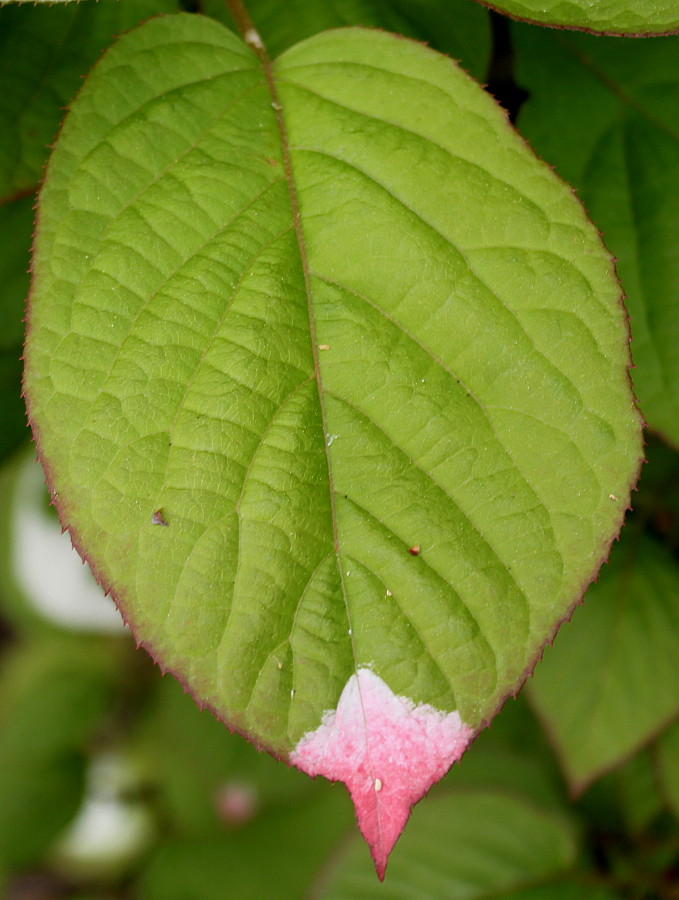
x=245 y=26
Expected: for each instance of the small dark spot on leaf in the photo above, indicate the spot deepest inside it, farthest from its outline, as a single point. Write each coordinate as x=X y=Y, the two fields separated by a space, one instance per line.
x=270 y=161
x=158 y=519
x=415 y=550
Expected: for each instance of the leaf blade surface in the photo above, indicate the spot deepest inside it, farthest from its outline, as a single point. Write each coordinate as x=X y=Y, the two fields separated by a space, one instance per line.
x=667 y=770
x=630 y=17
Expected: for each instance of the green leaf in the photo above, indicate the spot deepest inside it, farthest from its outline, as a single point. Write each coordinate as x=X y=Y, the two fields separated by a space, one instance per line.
x=640 y=800
x=58 y=45
x=577 y=887
x=456 y=27
x=16 y=228
x=667 y=766
x=330 y=384
x=12 y=410
x=469 y=844
x=53 y=695
x=630 y=17
x=657 y=502
x=610 y=684
x=606 y=114
x=294 y=840
x=512 y=755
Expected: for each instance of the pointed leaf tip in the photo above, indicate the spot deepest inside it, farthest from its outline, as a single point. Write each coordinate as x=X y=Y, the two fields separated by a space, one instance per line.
x=387 y=750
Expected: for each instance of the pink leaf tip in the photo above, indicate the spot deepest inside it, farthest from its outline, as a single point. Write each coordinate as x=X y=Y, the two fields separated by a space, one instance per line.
x=387 y=750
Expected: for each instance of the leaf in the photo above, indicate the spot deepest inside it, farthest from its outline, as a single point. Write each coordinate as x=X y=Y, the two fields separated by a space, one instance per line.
x=575 y=888
x=12 y=410
x=468 y=844
x=606 y=114
x=630 y=17
x=609 y=684
x=297 y=839
x=16 y=227
x=667 y=766
x=58 y=46
x=53 y=695
x=657 y=502
x=640 y=801
x=456 y=27
x=386 y=420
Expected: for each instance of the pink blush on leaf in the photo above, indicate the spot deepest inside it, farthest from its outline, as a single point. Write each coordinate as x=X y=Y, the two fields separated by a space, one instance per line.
x=388 y=751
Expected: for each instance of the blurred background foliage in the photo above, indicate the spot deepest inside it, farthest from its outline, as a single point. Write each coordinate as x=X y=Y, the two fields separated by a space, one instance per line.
x=115 y=786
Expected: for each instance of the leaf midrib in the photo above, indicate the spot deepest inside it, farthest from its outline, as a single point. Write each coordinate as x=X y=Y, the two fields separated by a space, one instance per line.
x=254 y=42
x=261 y=53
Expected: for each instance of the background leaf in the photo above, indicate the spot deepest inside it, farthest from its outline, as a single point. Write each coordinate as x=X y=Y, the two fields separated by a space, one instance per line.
x=640 y=800
x=609 y=684
x=631 y=17
x=667 y=761
x=298 y=838
x=456 y=27
x=574 y=889
x=59 y=44
x=606 y=114
x=16 y=227
x=513 y=756
x=468 y=844
x=54 y=697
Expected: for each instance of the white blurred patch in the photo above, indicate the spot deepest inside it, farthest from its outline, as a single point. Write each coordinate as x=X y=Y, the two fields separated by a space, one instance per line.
x=48 y=569
x=110 y=830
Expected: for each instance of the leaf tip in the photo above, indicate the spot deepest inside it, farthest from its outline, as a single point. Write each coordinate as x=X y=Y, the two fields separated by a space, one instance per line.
x=388 y=750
